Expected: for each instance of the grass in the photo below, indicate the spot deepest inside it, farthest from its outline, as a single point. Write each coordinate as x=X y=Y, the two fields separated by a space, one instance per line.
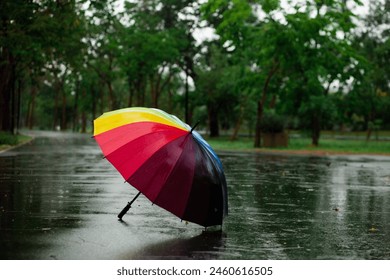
x=303 y=145
x=329 y=144
x=8 y=140
x=343 y=146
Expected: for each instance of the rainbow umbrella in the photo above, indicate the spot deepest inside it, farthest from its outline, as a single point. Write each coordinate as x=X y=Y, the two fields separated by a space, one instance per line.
x=167 y=161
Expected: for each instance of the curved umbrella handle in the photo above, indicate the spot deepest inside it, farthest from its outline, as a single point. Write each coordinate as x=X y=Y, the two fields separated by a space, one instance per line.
x=127 y=207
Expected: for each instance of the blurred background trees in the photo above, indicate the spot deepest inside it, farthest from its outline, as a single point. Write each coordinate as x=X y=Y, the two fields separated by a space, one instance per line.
x=317 y=63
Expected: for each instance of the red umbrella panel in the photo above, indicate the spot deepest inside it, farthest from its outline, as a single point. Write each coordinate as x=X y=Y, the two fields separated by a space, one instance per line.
x=167 y=161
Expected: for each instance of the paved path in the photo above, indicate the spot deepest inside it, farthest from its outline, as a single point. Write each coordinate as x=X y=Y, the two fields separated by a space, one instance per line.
x=59 y=200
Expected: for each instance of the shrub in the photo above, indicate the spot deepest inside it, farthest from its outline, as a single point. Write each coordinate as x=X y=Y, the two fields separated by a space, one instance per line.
x=8 y=139
x=272 y=123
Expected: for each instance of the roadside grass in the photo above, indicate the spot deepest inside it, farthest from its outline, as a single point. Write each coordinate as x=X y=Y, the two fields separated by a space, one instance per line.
x=357 y=146
x=303 y=144
x=330 y=142
x=8 y=140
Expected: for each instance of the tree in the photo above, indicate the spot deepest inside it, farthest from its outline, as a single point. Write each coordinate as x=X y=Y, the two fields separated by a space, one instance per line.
x=158 y=46
x=19 y=50
x=372 y=91
x=329 y=59
x=35 y=34
x=102 y=38
x=305 y=50
x=216 y=87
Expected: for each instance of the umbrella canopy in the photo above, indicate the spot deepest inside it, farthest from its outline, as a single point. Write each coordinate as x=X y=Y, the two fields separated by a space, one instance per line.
x=167 y=161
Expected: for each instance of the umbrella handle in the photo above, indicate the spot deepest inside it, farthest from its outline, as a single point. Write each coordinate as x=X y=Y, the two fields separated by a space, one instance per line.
x=127 y=207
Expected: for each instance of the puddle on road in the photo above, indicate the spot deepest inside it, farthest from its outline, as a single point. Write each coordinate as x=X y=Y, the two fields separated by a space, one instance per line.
x=59 y=200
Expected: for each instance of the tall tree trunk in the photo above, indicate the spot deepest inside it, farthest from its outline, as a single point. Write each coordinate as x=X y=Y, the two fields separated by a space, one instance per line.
x=273 y=102
x=157 y=85
x=111 y=96
x=83 y=122
x=153 y=91
x=83 y=112
x=316 y=130
x=101 y=97
x=170 y=100
x=58 y=119
x=259 y=116
x=213 y=120
x=188 y=68
x=31 y=106
x=186 y=100
x=260 y=104
x=55 y=114
x=131 y=91
x=140 y=90
x=238 y=123
x=13 y=101
x=64 y=123
x=75 y=108
x=93 y=93
x=370 y=125
x=18 y=104
x=7 y=81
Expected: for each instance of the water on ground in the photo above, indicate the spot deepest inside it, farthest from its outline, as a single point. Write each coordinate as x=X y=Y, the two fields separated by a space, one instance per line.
x=59 y=200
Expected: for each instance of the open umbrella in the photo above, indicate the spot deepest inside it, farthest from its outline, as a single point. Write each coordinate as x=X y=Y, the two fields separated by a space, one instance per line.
x=167 y=161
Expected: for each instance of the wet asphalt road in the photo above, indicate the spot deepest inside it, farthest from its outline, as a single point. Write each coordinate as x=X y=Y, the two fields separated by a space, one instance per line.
x=59 y=200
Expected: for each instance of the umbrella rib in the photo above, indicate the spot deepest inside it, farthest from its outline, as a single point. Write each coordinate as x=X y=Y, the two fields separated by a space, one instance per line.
x=129 y=178
x=217 y=165
x=170 y=173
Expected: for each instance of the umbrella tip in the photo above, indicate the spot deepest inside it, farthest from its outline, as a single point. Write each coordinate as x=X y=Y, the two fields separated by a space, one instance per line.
x=196 y=124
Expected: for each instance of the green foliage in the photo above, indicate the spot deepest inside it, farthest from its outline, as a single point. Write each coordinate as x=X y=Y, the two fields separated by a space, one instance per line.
x=272 y=123
x=8 y=139
x=72 y=60
x=320 y=108
x=269 y=5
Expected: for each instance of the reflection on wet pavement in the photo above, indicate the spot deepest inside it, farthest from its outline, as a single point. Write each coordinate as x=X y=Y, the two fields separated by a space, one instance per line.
x=59 y=200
